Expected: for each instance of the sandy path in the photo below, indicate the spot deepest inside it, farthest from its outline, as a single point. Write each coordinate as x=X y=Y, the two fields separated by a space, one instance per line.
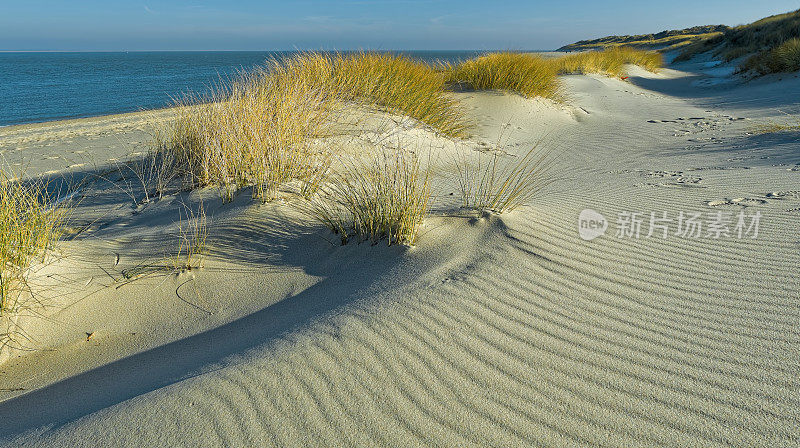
x=508 y=331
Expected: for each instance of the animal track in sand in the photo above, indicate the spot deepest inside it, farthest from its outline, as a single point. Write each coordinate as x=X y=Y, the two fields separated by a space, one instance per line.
x=672 y=179
x=718 y=168
x=744 y=202
x=791 y=194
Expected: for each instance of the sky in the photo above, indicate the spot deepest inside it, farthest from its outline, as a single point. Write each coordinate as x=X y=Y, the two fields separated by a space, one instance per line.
x=115 y=25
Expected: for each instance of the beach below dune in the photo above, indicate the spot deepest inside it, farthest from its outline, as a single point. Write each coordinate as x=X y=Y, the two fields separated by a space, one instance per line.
x=494 y=330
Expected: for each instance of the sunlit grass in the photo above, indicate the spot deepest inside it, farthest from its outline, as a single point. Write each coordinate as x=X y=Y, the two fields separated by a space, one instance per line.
x=611 y=61
x=384 y=196
x=400 y=85
x=498 y=183
x=526 y=74
x=783 y=58
x=534 y=76
x=260 y=129
x=30 y=223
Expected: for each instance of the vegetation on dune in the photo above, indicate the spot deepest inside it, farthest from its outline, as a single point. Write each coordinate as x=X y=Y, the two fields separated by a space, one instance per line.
x=770 y=44
x=783 y=58
x=399 y=84
x=526 y=74
x=29 y=225
x=494 y=183
x=260 y=130
x=663 y=41
x=611 y=61
x=268 y=127
x=532 y=76
x=382 y=196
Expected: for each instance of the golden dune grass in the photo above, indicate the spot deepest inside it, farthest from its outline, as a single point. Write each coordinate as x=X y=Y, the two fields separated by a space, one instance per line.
x=264 y=129
x=29 y=225
x=534 y=76
x=382 y=196
x=611 y=61
x=255 y=131
x=783 y=58
x=259 y=129
x=494 y=183
x=526 y=74
x=400 y=85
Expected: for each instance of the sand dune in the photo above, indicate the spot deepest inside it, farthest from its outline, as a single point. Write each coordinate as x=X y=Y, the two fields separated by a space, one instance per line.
x=493 y=330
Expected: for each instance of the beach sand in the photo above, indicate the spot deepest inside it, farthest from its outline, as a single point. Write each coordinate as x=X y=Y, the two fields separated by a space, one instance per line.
x=506 y=330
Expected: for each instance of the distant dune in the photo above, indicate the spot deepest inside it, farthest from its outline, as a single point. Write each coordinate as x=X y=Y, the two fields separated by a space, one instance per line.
x=769 y=45
x=666 y=39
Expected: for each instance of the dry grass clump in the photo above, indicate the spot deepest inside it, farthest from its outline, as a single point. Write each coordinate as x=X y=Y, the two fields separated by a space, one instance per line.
x=29 y=225
x=383 y=196
x=260 y=130
x=496 y=184
x=532 y=76
x=192 y=236
x=256 y=131
x=789 y=124
x=526 y=74
x=400 y=85
x=611 y=61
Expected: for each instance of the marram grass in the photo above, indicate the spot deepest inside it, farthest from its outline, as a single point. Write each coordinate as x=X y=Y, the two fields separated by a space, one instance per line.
x=269 y=127
x=498 y=183
x=384 y=196
x=534 y=76
x=611 y=61
x=769 y=45
x=256 y=131
x=29 y=225
x=400 y=85
x=783 y=58
x=259 y=130
x=526 y=74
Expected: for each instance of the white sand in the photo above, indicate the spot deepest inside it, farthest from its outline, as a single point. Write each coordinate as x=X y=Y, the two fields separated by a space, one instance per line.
x=504 y=331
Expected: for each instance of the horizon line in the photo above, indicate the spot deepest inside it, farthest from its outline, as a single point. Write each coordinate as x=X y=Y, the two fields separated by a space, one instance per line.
x=270 y=50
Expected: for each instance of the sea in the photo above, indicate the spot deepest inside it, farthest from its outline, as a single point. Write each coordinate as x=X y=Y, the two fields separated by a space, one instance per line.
x=44 y=86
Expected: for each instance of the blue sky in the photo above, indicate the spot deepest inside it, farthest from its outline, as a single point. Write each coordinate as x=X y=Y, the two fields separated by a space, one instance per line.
x=368 y=24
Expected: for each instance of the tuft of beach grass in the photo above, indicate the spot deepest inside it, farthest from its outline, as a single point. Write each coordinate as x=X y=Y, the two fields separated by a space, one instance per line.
x=611 y=61
x=383 y=196
x=525 y=74
x=497 y=183
x=30 y=224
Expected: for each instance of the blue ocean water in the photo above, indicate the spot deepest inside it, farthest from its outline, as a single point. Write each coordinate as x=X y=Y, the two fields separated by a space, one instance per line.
x=37 y=87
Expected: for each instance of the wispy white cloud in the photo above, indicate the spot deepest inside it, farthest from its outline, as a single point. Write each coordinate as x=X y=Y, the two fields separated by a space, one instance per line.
x=148 y=10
